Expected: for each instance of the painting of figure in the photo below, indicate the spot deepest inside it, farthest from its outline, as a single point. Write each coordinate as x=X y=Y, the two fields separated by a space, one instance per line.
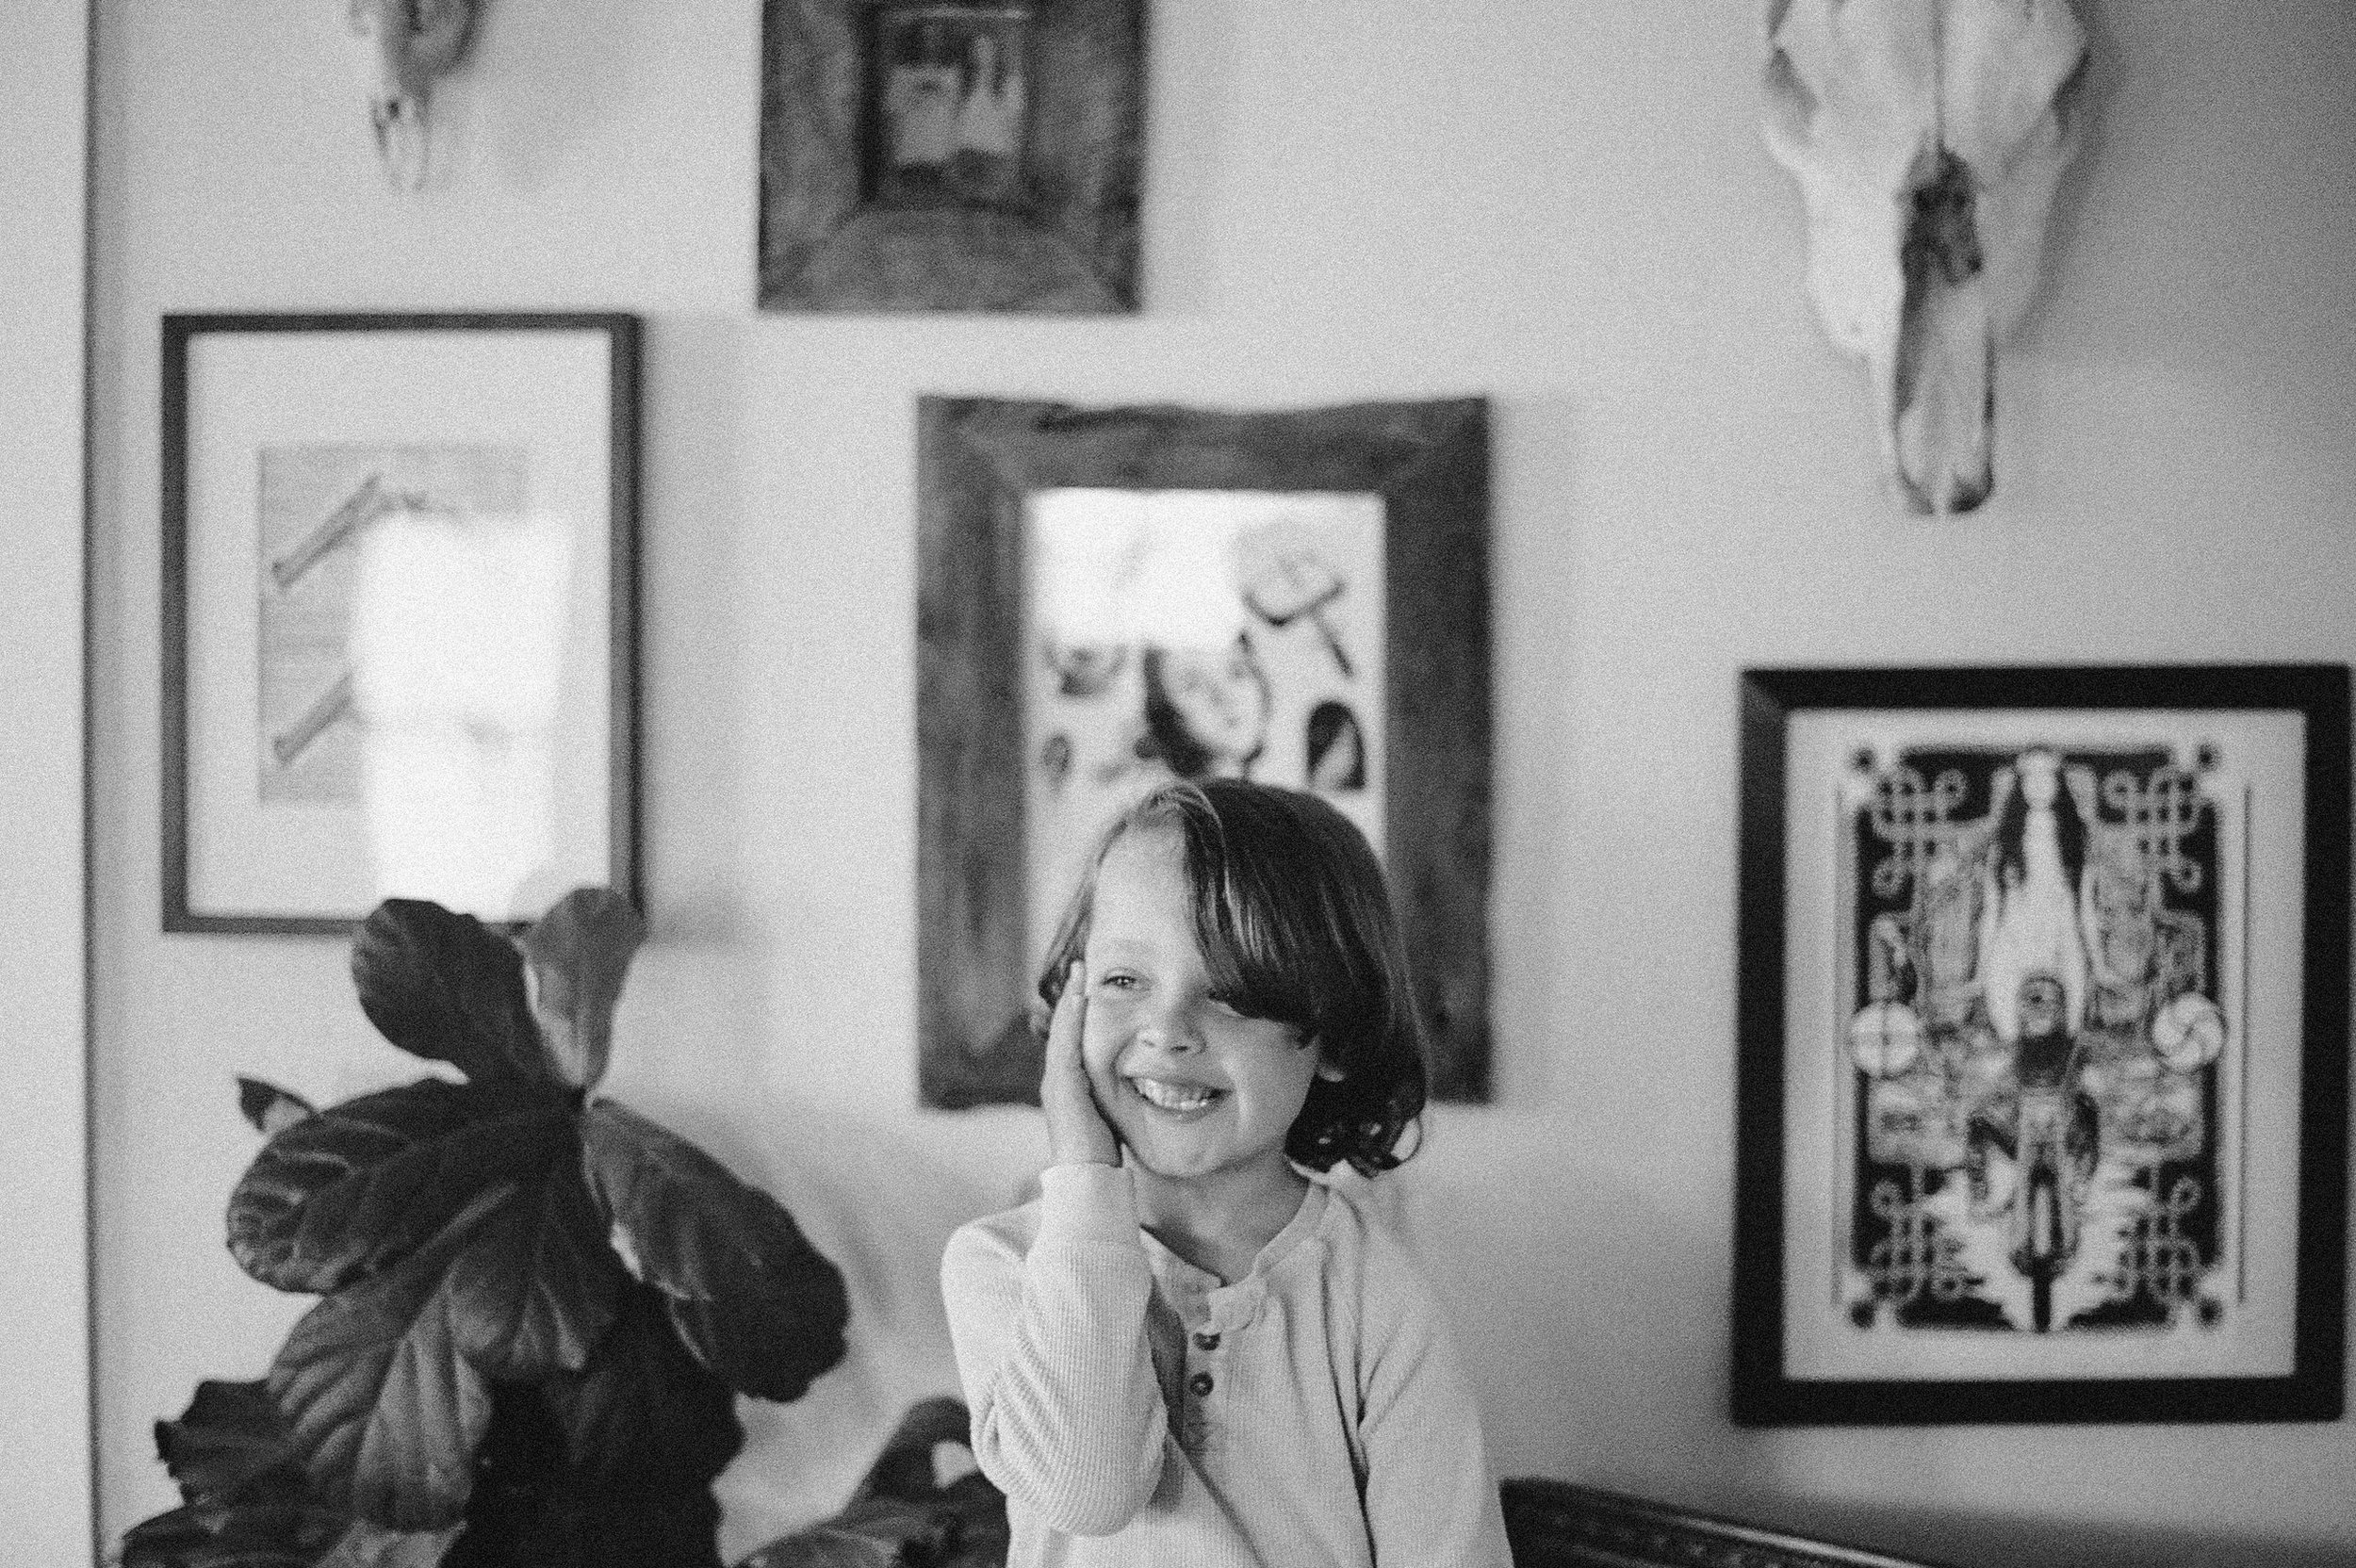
x=1196 y=634
x=951 y=101
x=2042 y=1041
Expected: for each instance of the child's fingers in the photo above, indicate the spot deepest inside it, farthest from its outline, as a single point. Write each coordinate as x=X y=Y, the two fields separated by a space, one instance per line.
x=1076 y=1128
x=1071 y=1005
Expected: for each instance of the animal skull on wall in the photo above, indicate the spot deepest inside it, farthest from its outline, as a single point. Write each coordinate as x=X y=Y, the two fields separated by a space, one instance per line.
x=1928 y=137
x=405 y=46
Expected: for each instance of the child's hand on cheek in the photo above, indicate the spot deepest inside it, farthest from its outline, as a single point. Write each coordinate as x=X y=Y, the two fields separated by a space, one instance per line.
x=1078 y=1133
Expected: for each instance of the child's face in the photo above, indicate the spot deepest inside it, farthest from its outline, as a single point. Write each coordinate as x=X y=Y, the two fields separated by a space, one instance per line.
x=1193 y=1088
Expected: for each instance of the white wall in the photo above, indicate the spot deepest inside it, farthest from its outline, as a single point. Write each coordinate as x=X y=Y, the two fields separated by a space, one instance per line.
x=44 y=1394
x=1563 y=206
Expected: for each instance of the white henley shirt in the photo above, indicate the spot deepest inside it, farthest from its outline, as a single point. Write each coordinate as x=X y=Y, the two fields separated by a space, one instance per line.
x=1137 y=1412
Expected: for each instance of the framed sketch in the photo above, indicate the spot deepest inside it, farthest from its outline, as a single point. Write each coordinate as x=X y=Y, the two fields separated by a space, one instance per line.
x=1112 y=597
x=398 y=615
x=951 y=154
x=2044 y=1045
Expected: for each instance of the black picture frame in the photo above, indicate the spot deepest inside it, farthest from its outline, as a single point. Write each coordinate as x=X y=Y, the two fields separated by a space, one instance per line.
x=1006 y=181
x=980 y=461
x=258 y=410
x=2241 y=768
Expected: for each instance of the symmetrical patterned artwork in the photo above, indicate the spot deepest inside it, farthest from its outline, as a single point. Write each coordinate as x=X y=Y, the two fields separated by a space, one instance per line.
x=2042 y=1041
x=2041 y=1101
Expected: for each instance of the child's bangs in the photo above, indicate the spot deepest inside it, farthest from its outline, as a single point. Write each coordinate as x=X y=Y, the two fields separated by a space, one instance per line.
x=1274 y=944
x=1275 y=932
x=1258 y=964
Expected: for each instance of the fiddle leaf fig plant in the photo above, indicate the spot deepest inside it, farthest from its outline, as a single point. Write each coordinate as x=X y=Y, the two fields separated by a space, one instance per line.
x=535 y=1307
x=911 y=1511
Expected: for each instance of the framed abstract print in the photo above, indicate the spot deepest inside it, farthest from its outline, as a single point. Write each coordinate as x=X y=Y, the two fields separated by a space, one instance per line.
x=951 y=154
x=399 y=615
x=2044 y=1030
x=1113 y=597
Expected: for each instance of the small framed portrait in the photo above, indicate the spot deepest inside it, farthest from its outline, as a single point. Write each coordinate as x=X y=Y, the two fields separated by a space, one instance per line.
x=951 y=154
x=399 y=615
x=1113 y=598
x=948 y=98
x=2044 y=1032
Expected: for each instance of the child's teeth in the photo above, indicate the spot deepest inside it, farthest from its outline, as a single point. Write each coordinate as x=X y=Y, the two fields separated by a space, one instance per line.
x=1170 y=1097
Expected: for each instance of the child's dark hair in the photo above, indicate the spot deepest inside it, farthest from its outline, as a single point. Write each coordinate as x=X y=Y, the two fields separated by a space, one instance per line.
x=1295 y=925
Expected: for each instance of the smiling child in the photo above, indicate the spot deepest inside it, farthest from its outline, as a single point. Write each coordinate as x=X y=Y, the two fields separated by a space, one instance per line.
x=1188 y=1350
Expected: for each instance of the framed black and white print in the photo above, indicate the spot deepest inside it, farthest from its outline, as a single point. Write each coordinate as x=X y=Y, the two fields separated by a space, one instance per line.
x=1112 y=597
x=2043 y=1074
x=951 y=154
x=397 y=615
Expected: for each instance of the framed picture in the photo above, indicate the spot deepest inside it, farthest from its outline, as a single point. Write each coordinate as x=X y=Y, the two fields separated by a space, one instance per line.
x=1112 y=597
x=2043 y=1098
x=399 y=619
x=951 y=154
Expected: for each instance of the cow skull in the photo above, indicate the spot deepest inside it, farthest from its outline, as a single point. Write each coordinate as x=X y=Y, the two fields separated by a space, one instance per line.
x=405 y=46
x=1928 y=137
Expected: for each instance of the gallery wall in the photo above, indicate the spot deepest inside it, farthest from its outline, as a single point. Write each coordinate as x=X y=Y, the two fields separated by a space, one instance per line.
x=1563 y=208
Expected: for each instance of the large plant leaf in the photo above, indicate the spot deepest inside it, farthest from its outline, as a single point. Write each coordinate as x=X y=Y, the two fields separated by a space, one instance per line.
x=537 y=1286
x=642 y=1411
x=366 y=1545
x=753 y=1299
x=382 y=1406
x=351 y=1191
x=443 y=985
x=878 y=1543
x=903 y=1468
x=268 y=1534
x=247 y=1503
x=269 y=1107
x=901 y=1514
x=229 y=1444
x=580 y=953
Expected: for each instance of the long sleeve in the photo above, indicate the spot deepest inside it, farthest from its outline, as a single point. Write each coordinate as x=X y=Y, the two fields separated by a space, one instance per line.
x=1431 y=1498
x=1068 y=1416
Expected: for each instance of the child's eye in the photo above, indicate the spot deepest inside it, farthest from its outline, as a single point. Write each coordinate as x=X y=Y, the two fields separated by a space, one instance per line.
x=1117 y=981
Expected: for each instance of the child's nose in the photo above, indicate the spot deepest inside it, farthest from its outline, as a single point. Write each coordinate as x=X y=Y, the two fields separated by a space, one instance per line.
x=1173 y=1027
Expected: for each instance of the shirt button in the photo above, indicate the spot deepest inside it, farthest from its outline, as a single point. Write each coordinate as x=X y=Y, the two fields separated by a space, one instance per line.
x=1199 y=1382
x=1207 y=1341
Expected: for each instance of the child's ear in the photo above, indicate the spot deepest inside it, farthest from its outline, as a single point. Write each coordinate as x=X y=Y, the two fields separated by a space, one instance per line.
x=1328 y=1068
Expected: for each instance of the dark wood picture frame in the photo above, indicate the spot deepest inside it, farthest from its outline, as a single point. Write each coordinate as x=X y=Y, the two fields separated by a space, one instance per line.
x=979 y=459
x=592 y=422
x=1047 y=221
x=1796 y=727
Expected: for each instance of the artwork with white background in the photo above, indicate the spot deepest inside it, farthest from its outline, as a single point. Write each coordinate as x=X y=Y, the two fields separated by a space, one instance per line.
x=1196 y=633
x=398 y=669
x=2029 y=1044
